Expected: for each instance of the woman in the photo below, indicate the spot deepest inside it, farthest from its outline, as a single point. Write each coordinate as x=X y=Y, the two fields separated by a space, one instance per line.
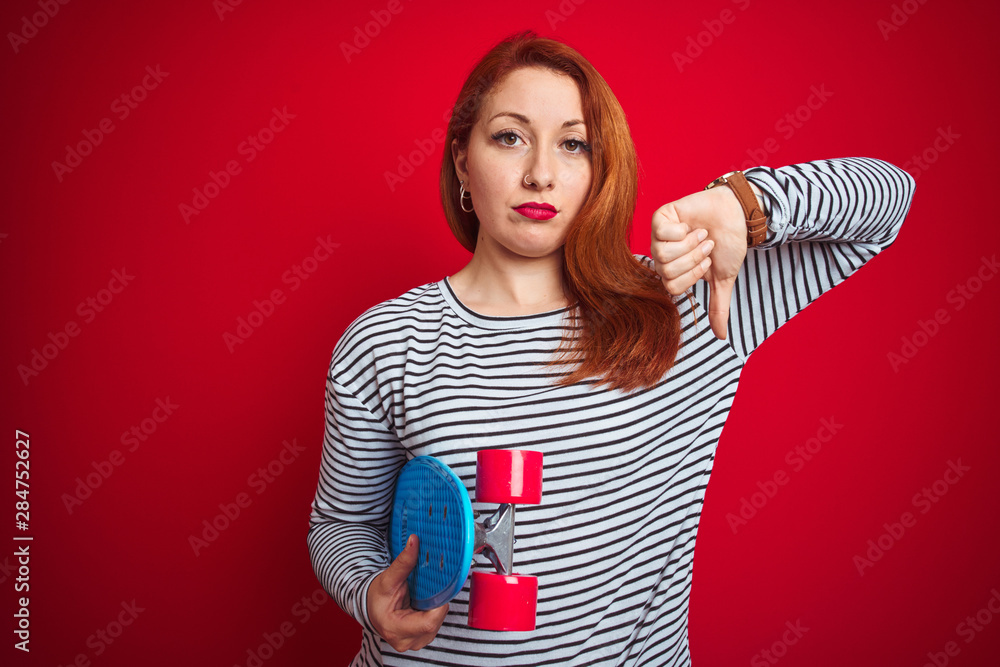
x=554 y=337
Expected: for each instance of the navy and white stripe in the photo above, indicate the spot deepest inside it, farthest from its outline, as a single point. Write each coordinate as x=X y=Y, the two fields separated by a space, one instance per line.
x=625 y=473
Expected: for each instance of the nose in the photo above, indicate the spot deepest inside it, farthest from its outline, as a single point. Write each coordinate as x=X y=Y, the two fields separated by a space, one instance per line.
x=540 y=171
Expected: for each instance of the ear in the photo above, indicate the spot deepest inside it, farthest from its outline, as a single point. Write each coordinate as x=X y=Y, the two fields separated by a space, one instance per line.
x=460 y=156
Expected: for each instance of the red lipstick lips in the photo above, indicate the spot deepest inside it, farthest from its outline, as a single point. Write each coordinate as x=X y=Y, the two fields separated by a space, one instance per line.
x=536 y=211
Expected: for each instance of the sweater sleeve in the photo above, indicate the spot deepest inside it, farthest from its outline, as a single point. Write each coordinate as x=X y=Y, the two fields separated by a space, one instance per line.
x=351 y=509
x=826 y=219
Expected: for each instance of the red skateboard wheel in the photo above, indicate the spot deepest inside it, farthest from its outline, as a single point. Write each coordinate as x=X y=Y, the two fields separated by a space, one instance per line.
x=509 y=476
x=502 y=602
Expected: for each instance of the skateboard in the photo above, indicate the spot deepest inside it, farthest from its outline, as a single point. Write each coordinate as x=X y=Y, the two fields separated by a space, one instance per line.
x=431 y=502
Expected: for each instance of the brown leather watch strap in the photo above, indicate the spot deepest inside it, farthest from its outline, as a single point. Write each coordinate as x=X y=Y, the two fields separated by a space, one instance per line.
x=755 y=218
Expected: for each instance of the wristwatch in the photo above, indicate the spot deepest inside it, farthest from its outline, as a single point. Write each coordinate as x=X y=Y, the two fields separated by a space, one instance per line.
x=756 y=220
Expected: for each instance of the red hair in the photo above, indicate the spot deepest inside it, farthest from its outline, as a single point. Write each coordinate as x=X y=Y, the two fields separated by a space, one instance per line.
x=625 y=326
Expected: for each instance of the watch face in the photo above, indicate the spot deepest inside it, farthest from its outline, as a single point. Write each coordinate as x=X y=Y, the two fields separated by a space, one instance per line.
x=721 y=180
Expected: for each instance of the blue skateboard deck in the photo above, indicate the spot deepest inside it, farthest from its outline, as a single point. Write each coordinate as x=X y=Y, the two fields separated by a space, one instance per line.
x=432 y=503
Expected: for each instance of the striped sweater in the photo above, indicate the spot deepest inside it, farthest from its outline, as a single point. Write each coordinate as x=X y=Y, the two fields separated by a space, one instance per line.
x=625 y=475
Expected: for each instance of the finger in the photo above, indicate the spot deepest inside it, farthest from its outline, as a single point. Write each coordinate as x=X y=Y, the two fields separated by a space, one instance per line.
x=432 y=620
x=414 y=630
x=683 y=282
x=668 y=251
x=397 y=572
x=718 y=310
x=667 y=225
x=680 y=258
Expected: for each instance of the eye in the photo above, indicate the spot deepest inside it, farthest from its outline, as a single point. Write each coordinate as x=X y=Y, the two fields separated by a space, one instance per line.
x=572 y=145
x=506 y=138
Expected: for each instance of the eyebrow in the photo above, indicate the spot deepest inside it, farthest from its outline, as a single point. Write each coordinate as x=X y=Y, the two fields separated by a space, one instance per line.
x=524 y=119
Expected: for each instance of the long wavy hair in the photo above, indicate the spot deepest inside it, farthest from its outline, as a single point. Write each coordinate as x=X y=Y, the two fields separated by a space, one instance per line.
x=625 y=326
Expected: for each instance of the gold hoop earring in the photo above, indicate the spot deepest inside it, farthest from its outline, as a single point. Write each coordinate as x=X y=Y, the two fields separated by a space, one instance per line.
x=461 y=197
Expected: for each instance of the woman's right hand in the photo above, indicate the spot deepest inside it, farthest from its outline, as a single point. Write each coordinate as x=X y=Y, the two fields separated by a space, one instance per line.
x=389 y=605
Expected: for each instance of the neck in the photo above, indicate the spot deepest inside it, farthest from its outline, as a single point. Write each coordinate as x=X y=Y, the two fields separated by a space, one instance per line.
x=515 y=286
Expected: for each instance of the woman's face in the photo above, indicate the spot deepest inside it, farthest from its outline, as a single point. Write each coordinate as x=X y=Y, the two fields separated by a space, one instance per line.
x=531 y=126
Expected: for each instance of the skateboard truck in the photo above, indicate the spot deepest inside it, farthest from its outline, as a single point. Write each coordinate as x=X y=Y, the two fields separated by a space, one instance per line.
x=495 y=538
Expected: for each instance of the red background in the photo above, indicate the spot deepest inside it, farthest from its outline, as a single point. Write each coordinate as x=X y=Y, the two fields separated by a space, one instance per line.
x=324 y=175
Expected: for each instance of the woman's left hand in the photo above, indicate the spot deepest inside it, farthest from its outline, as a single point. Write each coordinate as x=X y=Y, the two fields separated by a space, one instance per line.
x=703 y=235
